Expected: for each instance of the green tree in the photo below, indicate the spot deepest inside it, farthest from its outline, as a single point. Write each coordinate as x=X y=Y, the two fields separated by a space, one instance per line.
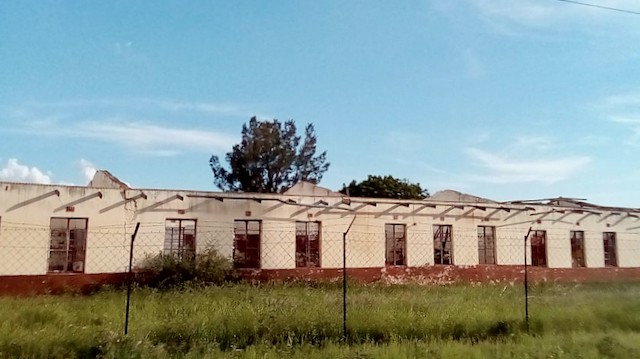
x=270 y=159
x=385 y=187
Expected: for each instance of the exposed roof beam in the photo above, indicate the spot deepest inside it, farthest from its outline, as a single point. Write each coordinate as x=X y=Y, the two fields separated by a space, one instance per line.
x=160 y=203
x=78 y=201
x=55 y=192
x=610 y=214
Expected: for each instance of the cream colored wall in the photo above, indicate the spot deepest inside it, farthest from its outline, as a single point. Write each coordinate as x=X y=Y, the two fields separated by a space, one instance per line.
x=25 y=213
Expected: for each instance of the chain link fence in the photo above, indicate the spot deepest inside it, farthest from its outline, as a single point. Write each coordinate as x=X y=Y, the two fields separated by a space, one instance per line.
x=76 y=247
x=400 y=253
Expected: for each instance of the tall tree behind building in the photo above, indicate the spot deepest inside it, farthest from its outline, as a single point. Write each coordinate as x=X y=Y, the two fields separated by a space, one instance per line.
x=270 y=159
x=385 y=187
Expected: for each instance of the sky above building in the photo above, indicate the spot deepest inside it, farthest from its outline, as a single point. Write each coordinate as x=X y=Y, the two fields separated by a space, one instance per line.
x=499 y=98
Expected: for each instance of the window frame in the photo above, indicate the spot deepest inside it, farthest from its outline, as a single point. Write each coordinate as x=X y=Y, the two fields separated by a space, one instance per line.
x=181 y=251
x=438 y=241
x=609 y=260
x=539 y=235
x=248 y=261
x=306 y=253
x=68 y=232
x=399 y=259
x=482 y=258
x=581 y=261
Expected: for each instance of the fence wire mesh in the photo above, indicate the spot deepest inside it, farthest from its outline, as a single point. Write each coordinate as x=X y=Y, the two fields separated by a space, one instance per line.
x=81 y=248
x=395 y=252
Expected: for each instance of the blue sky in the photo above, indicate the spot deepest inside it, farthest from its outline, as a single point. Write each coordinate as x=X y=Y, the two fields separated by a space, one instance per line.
x=499 y=98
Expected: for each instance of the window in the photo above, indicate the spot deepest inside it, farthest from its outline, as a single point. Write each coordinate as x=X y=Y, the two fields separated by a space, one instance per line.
x=395 y=244
x=577 y=249
x=538 y=248
x=307 y=244
x=442 y=244
x=68 y=243
x=486 y=245
x=246 y=244
x=180 y=237
x=610 y=259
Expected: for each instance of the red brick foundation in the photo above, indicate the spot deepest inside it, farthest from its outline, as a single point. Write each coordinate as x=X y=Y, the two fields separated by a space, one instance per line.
x=26 y=285
x=431 y=275
x=448 y=274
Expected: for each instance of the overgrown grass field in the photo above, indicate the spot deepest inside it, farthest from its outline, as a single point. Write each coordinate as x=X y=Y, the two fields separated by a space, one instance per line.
x=297 y=321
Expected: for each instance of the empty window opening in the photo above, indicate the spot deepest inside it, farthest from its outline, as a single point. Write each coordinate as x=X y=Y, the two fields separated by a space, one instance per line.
x=577 y=249
x=442 y=244
x=180 y=237
x=307 y=244
x=610 y=258
x=395 y=244
x=486 y=245
x=538 y=248
x=68 y=244
x=246 y=244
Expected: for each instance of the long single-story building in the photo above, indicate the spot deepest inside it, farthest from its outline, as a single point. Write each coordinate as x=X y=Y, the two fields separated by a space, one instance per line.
x=50 y=231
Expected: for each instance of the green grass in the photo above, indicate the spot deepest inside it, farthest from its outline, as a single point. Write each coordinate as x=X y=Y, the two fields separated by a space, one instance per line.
x=273 y=321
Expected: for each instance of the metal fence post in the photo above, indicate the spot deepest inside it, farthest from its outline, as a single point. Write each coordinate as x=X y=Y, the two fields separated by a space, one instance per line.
x=345 y=334
x=526 y=283
x=344 y=285
x=129 y=280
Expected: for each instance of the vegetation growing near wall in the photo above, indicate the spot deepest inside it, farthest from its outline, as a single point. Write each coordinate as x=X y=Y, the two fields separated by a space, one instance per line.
x=241 y=321
x=178 y=270
x=270 y=159
x=385 y=187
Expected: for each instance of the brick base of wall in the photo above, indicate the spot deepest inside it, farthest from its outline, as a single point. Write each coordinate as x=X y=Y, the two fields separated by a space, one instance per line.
x=431 y=275
x=448 y=274
x=25 y=285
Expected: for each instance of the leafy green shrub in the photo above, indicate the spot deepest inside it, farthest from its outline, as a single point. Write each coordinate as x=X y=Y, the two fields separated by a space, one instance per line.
x=176 y=270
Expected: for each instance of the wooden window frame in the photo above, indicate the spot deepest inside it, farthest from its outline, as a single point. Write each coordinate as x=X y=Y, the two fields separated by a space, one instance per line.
x=186 y=247
x=397 y=246
x=610 y=249
x=440 y=241
x=578 y=257
x=483 y=250
x=538 y=239
x=306 y=255
x=249 y=261
x=73 y=263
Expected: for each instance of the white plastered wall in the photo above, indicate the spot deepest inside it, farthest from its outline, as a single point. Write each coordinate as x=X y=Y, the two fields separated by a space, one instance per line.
x=26 y=211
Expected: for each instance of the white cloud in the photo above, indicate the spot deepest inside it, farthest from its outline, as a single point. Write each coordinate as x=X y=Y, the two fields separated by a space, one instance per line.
x=13 y=171
x=624 y=110
x=522 y=11
x=504 y=169
x=131 y=123
x=87 y=169
x=125 y=105
x=593 y=140
x=535 y=13
x=140 y=136
x=622 y=100
x=154 y=137
x=539 y=143
x=626 y=120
